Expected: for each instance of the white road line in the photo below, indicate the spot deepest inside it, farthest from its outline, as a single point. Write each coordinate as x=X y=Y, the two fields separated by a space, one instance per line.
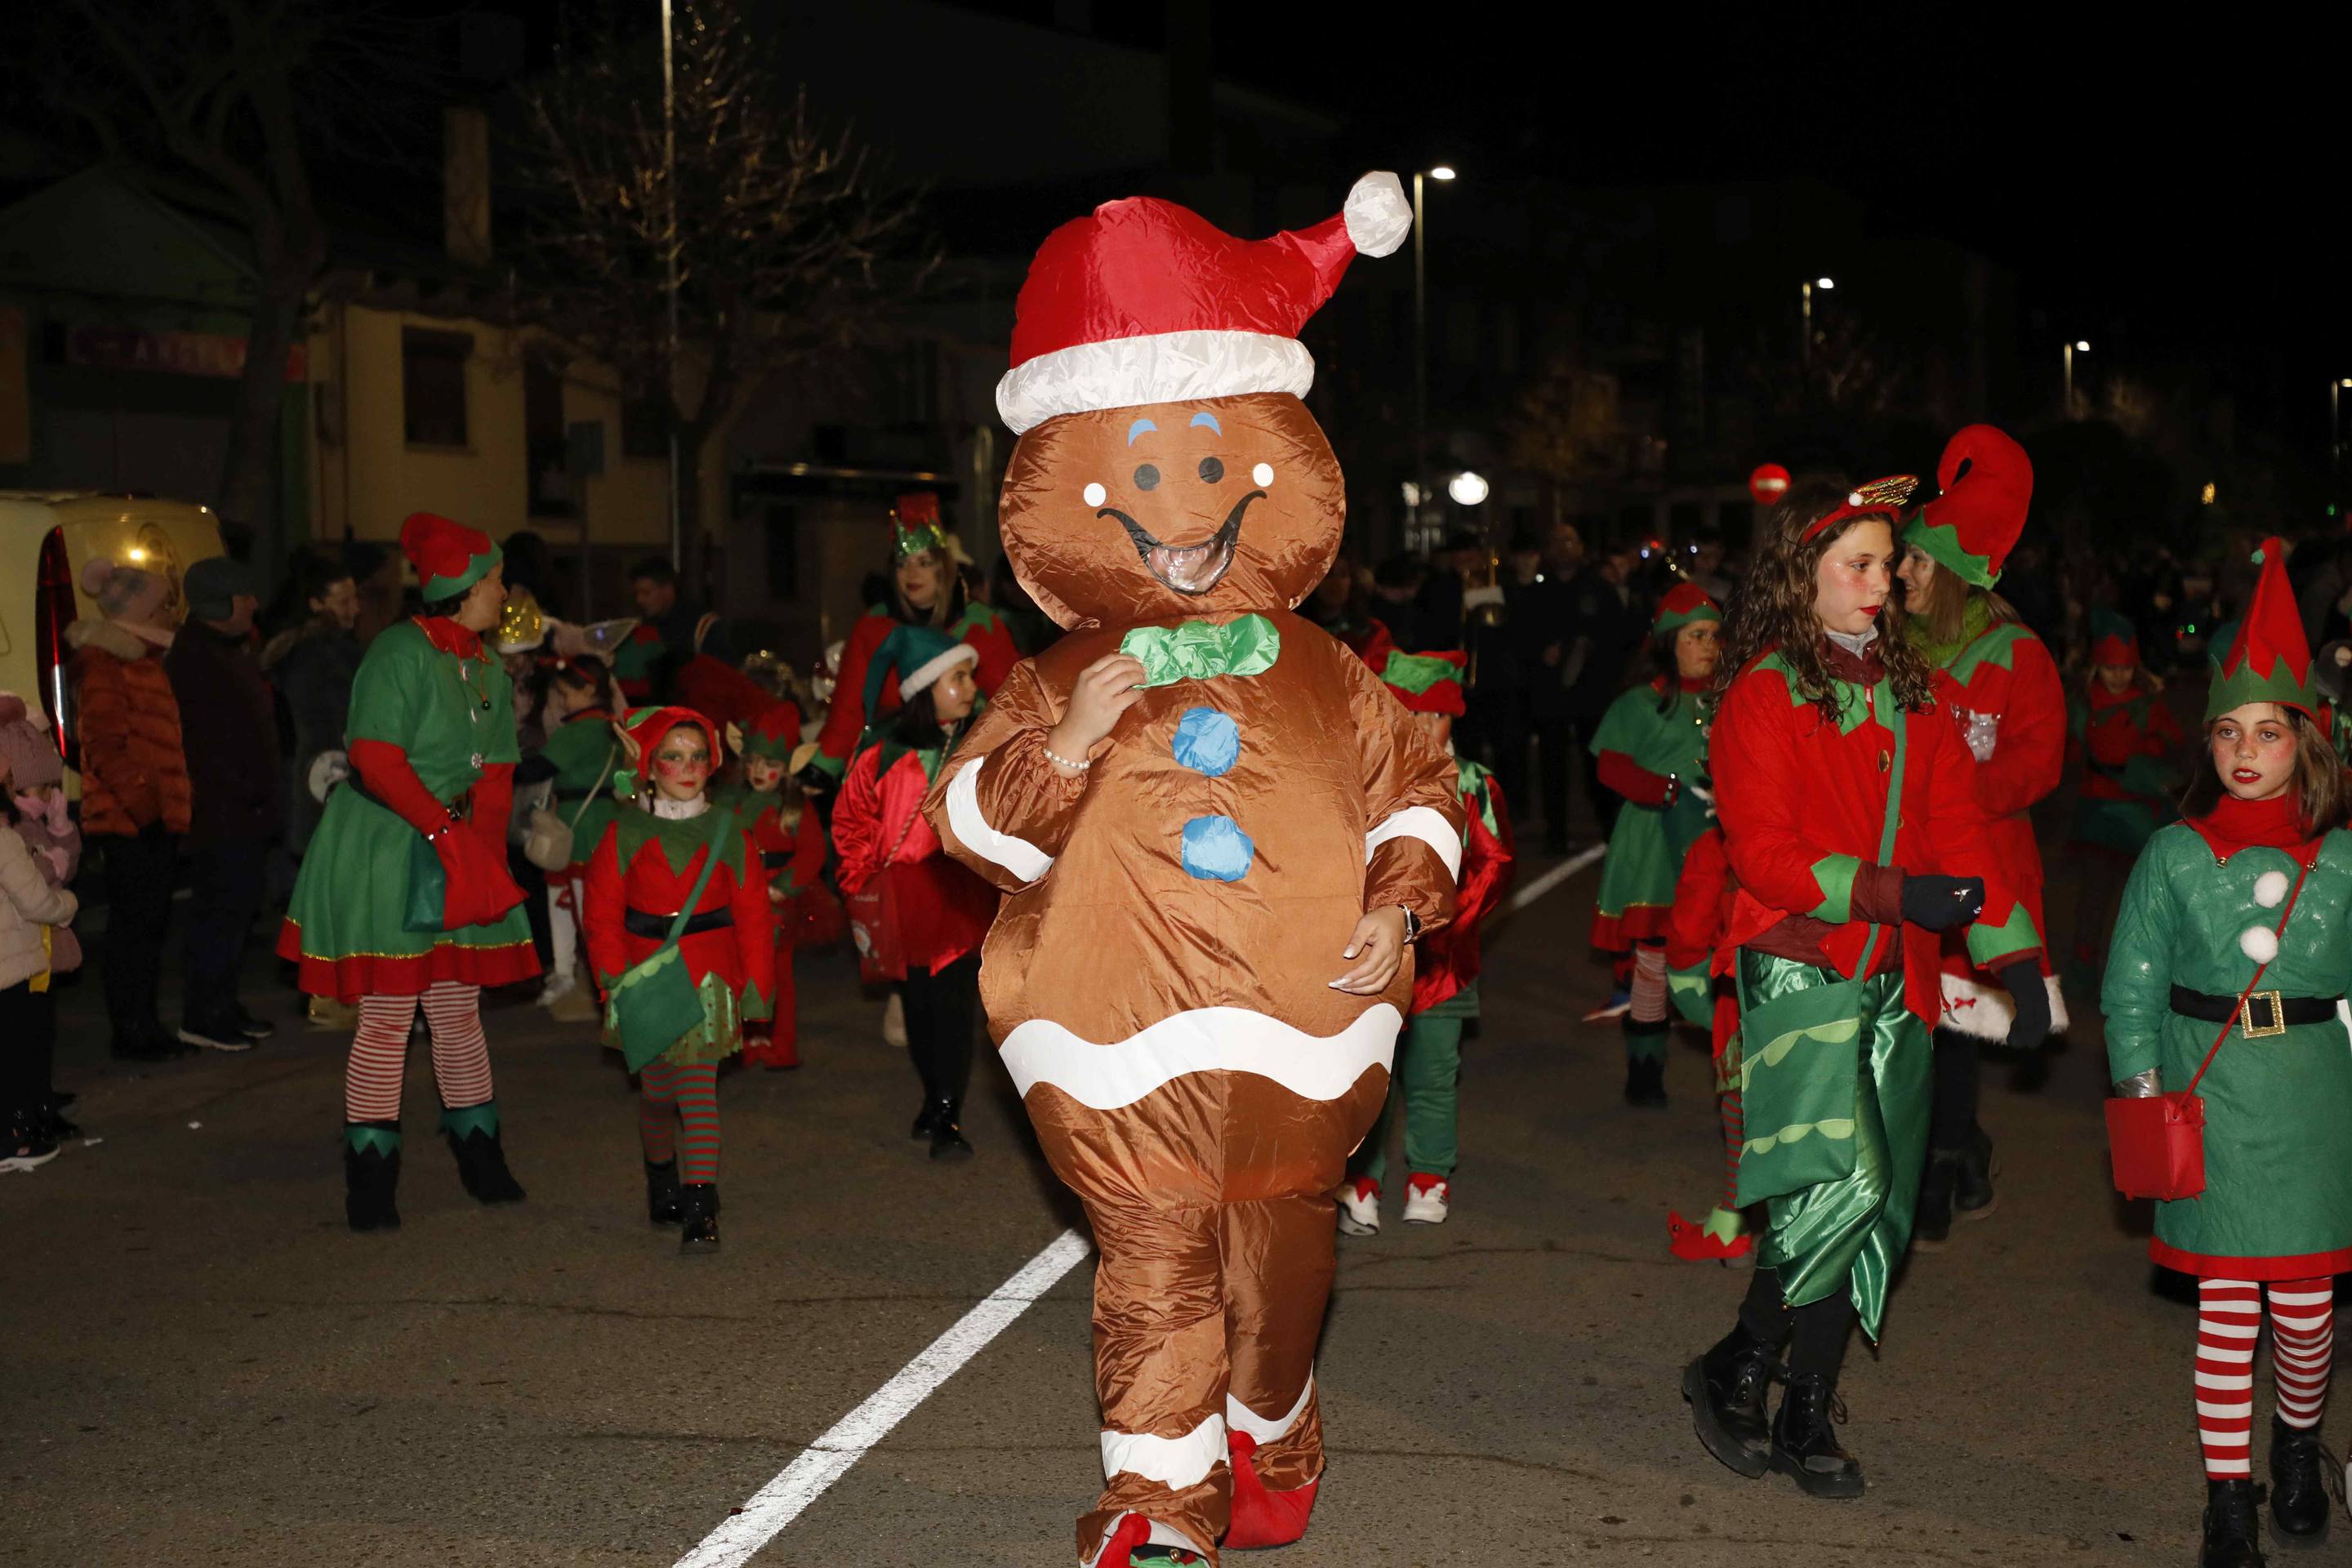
x=828 y=1459
x=1552 y=879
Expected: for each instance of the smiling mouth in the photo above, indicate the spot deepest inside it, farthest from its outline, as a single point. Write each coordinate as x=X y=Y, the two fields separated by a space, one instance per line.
x=1190 y=568
x=2246 y=775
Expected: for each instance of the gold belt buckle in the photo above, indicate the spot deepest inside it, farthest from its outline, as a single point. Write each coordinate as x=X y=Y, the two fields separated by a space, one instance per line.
x=2277 y=1025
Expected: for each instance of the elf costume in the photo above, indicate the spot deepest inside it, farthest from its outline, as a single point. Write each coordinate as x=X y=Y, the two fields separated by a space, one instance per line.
x=1699 y=978
x=2250 y=886
x=1651 y=746
x=1444 y=981
x=915 y=529
x=1159 y=981
x=404 y=894
x=792 y=853
x=2124 y=741
x=1840 y=803
x=643 y=872
x=585 y=754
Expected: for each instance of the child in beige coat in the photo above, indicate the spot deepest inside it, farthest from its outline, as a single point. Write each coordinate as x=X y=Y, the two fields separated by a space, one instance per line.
x=34 y=913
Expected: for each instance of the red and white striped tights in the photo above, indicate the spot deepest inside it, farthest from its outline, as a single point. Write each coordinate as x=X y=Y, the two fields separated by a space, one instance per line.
x=2303 y=1347
x=379 y=1058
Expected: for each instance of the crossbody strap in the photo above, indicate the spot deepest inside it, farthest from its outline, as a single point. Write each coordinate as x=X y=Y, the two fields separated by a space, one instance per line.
x=602 y=775
x=2259 y=970
x=727 y=819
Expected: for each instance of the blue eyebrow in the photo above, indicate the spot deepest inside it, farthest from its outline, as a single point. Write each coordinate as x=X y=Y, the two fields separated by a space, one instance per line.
x=1140 y=426
x=1205 y=418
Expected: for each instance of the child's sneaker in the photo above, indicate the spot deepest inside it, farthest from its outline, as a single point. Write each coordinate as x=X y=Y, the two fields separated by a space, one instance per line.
x=1619 y=1003
x=1425 y=1198
x=23 y=1145
x=1360 y=1206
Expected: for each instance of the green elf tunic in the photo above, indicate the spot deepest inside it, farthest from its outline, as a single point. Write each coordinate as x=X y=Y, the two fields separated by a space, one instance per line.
x=451 y=717
x=584 y=751
x=2277 y=1203
x=1653 y=748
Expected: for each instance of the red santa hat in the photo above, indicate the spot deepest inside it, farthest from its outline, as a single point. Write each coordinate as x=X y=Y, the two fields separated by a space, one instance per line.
x=449 y=556
x=1145 y=302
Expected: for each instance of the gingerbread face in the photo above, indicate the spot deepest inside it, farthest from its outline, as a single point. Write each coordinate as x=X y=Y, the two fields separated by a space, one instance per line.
x=1173 y=510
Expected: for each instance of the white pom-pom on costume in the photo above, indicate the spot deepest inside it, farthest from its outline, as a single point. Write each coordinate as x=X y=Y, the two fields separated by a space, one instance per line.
x=2259 y=943
x=2270 y=890
x=1095 y=495
x=1379 y=216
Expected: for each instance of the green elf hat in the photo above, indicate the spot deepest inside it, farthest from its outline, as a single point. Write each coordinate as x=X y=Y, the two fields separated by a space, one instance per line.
x=915 y=525
x=2113 y=641
x=449 y=556
x=1684 y=603
x=1425 y=683
x=2268 y=660
x=919 y=655
x=775 y=734
x=1987 y=482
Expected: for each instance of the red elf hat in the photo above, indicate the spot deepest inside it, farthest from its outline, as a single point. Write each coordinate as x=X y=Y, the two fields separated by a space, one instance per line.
x=649 y=727
x=1145 y=302
x=2117 y=640
x=1684 y=603
x=2268 y=661
x=1426 y=682
x=449 y=556
x=775 y=734
x=1987 y=482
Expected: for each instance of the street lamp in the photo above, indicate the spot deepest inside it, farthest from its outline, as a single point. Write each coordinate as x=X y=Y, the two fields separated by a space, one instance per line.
x=1467 y=487
x=2077 y=347
x=1805 y=292
x=1443 y=172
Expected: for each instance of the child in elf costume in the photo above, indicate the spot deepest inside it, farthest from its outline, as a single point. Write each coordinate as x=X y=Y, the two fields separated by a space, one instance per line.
x=1651 y=746
x=1699 y=978
x=1997 y=682
x=2229 y=956
x=1853 y=826
x=2124 y=734
x=1445 y=980
x=926 y=590
x=671 y=850
x=576 y=715
x=791 y=840
x=405 y=899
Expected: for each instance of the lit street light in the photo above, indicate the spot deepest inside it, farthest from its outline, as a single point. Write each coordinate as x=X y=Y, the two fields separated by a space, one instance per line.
x=1467 y=487
x=1805 y=292
x=1443 y=172
x=2077 y=347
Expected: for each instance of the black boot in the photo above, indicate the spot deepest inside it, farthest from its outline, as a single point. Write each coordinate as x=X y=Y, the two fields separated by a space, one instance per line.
x=371 y=1174
x=662 y=1202
x=946 y=1133
x=698 y=1203
x=2233 y=1530
x=925 y=1119
x=473 y=1135
x=1972 y=1194
x=1726 y=1388
x=1645 y=1081
x=1931 y=1226
x=1804 y=1439
x=2298 y=1489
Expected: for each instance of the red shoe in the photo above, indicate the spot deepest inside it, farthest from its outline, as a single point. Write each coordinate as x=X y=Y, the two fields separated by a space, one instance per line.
x=1260 y=1517
x=766 y=1050
x=1696 y=1244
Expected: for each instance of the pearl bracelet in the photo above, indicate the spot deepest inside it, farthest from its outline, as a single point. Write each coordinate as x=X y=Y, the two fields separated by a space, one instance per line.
x=1064 y=762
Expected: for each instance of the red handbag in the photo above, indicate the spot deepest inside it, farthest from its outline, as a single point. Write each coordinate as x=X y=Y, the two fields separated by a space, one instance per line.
x=2157 y=1141
x=875 y=924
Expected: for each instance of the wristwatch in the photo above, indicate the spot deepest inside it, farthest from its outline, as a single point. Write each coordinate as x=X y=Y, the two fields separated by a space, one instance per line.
x=1411 y=926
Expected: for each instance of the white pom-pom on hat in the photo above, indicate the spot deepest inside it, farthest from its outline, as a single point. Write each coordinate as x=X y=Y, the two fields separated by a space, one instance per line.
x=1379 y=216
x=2259 y=943
x=2270 y=890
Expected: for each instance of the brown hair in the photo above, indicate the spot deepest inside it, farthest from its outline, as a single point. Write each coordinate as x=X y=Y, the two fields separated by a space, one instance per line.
x=2317 y=781
x=1774 y=609
x=1945 y=602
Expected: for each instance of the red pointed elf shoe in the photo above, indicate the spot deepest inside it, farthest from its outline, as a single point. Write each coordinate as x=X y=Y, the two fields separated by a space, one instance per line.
x=1260 y=1517
x=1701 y=1244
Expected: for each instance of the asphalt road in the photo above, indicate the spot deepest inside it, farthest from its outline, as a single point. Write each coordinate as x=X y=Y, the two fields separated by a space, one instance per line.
x=200 y=1364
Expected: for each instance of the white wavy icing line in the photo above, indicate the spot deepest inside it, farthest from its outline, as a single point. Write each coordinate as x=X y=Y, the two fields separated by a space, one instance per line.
x=1426 y=823
x=1200 y=1039
x=1018 y=855
x=1174 y=1462
x=1242 y=1418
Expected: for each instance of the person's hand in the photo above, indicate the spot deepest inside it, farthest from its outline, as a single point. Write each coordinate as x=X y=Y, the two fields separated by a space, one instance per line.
x=1941 y=903
x=1104 y=689
x=2032 y=997
x=1377 y=946
x=1704 y=795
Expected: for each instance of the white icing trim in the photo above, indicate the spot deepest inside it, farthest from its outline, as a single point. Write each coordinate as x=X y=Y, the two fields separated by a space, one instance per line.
x=1174 y=1462
x=1242 y=1418
x=1985 y=1013
x=1202 y=1039
x=1018 y=855
x=1157 y=367
x=1425 y=823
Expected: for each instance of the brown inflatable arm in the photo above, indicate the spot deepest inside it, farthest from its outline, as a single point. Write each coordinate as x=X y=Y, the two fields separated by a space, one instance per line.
x=998 y=805
x=1412 y=807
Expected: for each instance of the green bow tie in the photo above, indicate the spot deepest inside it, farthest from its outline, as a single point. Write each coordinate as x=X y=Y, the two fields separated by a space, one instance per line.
x=1197 y=650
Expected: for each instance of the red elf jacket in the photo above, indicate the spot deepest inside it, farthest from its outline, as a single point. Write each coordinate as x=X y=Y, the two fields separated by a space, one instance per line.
x=878 y=820
x=742 y=953
x=2117 y=729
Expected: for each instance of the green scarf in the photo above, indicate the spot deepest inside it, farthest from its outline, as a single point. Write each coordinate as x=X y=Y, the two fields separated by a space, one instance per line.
x=1976 y=617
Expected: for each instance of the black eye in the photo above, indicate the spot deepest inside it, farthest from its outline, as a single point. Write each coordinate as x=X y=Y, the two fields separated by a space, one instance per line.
x=1212 y=471
x=1147 y=478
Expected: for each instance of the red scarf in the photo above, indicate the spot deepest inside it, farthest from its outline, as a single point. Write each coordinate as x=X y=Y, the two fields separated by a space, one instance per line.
x=445 y=634
x=2277 y=823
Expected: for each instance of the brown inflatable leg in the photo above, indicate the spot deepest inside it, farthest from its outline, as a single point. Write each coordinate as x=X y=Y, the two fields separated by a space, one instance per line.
x=1278 y=1266
x=1160 y=1369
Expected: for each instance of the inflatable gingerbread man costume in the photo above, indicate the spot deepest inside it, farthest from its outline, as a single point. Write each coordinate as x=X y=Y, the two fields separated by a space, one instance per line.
x=1165 y=981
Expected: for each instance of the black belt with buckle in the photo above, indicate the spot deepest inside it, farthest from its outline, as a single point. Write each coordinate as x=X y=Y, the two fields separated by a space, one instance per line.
x=775 y=859
x=644 y=922
x=2267 y=1012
